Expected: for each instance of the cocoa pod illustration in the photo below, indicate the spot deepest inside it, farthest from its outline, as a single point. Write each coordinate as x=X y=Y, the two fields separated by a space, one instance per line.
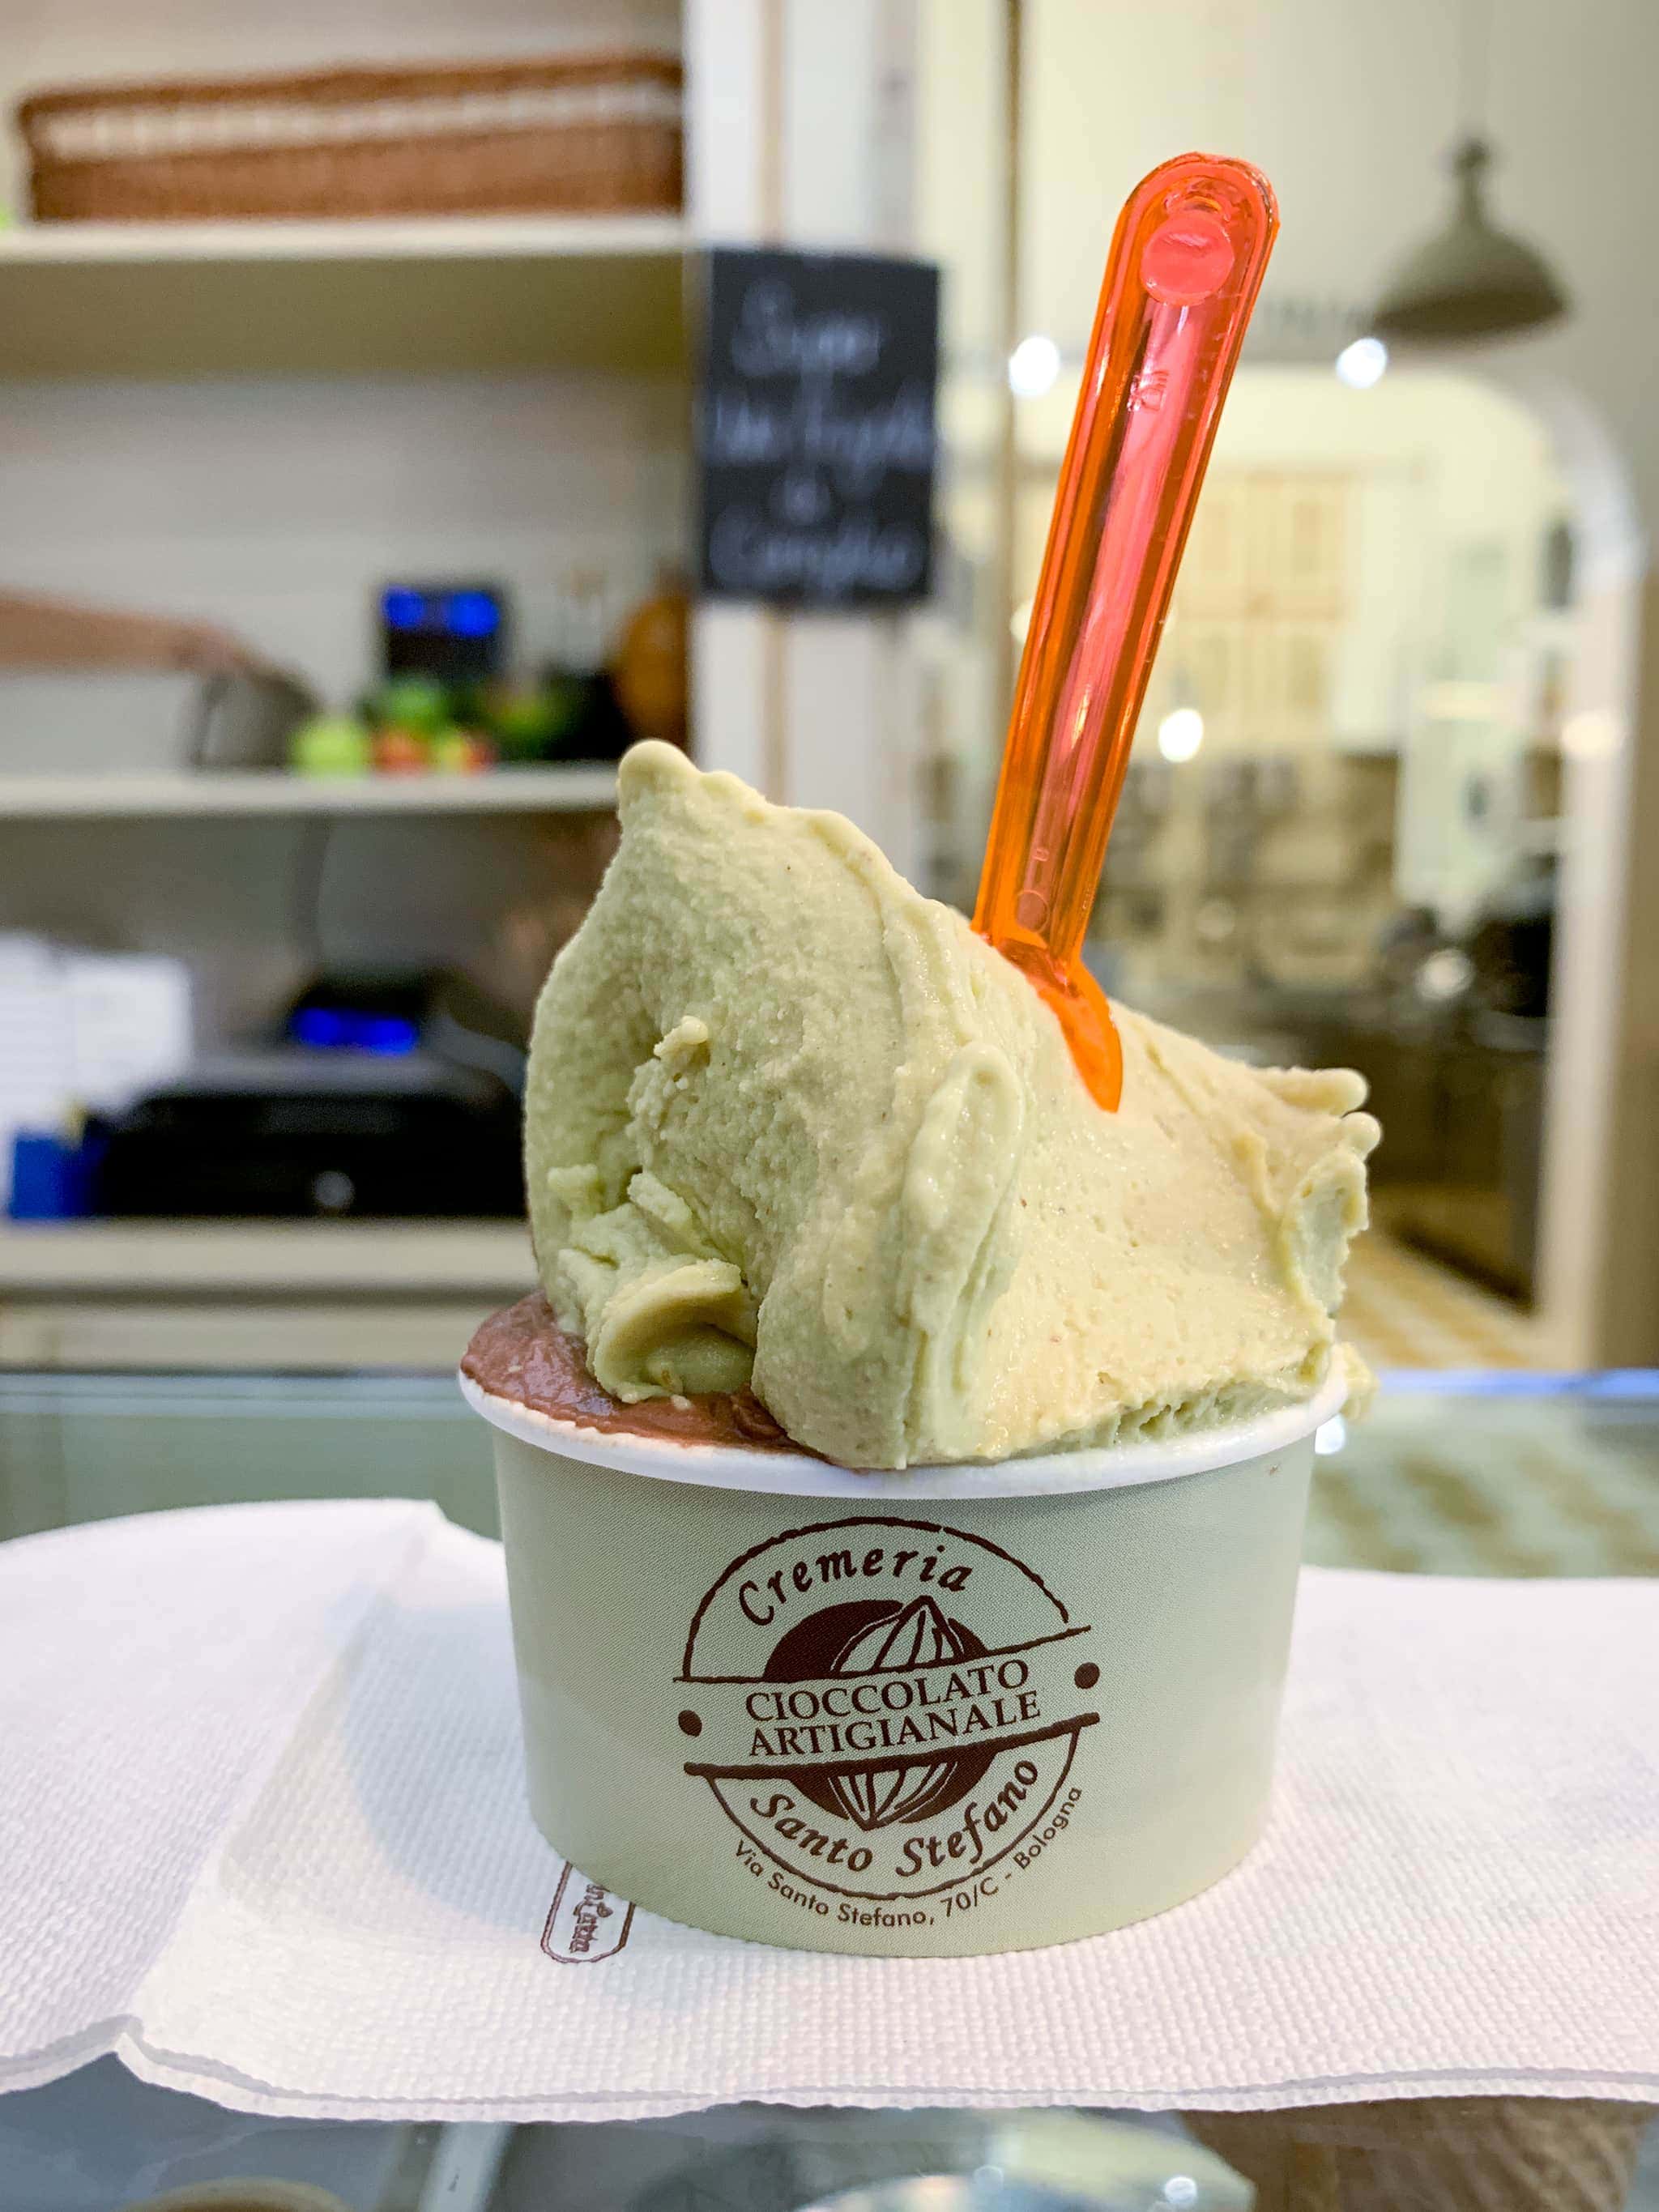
x=875 y=1637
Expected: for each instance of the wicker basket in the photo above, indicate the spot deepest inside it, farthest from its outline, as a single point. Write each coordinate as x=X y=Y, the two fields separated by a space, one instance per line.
x=590 y=131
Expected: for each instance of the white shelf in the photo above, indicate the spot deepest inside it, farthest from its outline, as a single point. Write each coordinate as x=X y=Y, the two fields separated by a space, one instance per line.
x=431 y=238
x=407 y=297
x=389 y=1260
x=230 y=791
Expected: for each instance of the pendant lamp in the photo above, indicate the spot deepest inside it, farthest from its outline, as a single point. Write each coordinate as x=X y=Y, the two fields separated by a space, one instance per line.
x=1470 y=280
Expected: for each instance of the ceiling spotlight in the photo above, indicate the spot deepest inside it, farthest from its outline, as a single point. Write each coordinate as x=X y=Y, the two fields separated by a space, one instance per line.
x=1361 y=365
x=1181 y=733
x=1032 y=367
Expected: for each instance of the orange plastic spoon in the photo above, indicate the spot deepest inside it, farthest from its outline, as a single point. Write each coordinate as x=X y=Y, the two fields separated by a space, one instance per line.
x=1186 y=265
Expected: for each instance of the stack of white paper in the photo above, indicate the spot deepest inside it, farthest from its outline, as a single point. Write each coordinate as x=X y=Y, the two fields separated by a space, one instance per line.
x=82 y=1032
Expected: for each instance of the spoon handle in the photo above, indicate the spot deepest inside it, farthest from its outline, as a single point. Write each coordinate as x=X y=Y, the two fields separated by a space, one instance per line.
x=1186 y=265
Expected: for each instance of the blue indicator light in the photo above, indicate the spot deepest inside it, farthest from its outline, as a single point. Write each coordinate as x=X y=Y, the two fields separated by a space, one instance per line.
x=322 y=1027
x=342 y=1029
x=472 y=614
x=388 y=1034
x=404 y=609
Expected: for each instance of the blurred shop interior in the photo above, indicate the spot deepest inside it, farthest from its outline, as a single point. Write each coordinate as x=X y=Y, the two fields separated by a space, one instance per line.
x=343 y=552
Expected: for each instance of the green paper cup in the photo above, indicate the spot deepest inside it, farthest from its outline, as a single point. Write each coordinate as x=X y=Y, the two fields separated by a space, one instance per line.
x=954 y=1710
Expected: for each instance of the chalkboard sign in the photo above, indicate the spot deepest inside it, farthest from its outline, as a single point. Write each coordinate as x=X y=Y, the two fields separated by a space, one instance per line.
x=816 y=433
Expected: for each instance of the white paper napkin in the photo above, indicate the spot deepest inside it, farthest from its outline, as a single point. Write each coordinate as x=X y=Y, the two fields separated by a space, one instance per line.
x=150 y=1671
x=262 y=1835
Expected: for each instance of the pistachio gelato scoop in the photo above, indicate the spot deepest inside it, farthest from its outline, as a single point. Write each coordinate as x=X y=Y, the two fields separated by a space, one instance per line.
x=791 y=1125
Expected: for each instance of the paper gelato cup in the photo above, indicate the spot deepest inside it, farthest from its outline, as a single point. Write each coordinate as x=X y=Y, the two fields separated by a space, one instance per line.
x=954 y=1710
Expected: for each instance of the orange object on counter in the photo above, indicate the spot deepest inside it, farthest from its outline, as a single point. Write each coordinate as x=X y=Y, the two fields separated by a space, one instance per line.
x=1186 y=263
x=397 y=752
x=650 y=669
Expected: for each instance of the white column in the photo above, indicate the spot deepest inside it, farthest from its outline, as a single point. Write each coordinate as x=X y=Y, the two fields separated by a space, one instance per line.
x=1598 y=1261
x=798 y=133
x=1599 y=1257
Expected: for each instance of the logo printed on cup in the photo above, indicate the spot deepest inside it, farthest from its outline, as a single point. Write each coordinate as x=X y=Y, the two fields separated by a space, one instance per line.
x=885 y=1709
x=585 y=1922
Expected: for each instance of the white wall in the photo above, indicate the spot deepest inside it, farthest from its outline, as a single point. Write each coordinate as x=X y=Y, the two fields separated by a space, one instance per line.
x=278 y=507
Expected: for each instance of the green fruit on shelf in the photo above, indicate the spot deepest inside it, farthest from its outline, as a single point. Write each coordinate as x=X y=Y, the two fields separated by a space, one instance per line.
x=529 y=721
x=412 y=702
x=330 y=744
